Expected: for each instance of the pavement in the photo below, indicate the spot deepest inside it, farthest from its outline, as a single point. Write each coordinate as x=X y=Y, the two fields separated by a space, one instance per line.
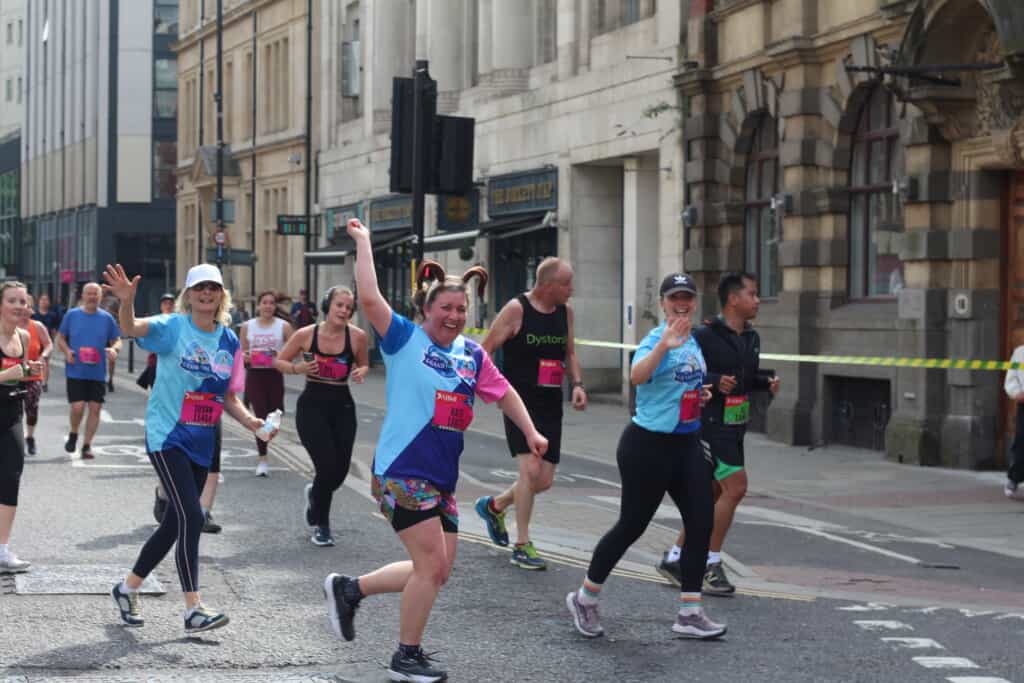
x=849 y=568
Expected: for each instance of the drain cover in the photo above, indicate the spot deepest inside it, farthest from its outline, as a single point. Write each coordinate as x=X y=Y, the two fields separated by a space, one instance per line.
x=76 y=579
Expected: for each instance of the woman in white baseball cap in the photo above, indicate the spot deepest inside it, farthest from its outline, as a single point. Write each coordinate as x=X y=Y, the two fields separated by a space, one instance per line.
x=200 y=372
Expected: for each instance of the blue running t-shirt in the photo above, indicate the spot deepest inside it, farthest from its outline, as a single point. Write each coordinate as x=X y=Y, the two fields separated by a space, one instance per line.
x=194 y=370
x=430 y=393
x=670 y=400
x=89 y=335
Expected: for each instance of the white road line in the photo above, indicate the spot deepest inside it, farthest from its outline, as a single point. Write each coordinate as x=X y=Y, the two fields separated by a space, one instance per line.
x=105 y=416
x=839 y=539
x=882 y=625
x=976 y=679
x=869 y=607
x=599 y=480
x=970 y=613
x=946 y=663
x=915 y=643
x=1011 y=615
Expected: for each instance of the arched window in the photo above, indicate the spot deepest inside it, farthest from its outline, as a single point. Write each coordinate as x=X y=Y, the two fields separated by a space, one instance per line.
x=763 y=231
x=876 y=217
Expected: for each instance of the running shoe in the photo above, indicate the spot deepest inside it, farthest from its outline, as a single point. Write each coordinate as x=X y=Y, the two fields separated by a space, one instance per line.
x=716 y=582
x=30 y=445
x=129 y=604
x=340 y=611
x=307 y=497
x=526 y=557
x=418 y=668
x=69 y=445
x=322 y=537
x=584 y=617
x=671 y=570
x=86 y=452
x=495 y=520
x=210 y=526
x=46 y=387
x=159 y=506
x=1013 y=491
x=110 y=386
x=10 y=564
x=262 y=470
x=698 y=626
x=201 y=618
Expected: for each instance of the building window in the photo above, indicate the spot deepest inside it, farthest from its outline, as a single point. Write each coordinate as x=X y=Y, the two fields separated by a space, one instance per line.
x=165 y=88
x=10 y=33
x=546 y=13
x=165 y=18
x=248 y=90
x=10 y=89
x=228 y=98
x=20 y=89
x=276 y=79
x=762 y=230
x=21 y=32
x=610 y=15
x=876 y=218
x=165 y=161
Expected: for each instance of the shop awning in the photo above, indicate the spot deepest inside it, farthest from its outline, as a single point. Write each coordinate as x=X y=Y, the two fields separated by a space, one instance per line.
x=510 y=226
x=334 y=254
x=443 y=241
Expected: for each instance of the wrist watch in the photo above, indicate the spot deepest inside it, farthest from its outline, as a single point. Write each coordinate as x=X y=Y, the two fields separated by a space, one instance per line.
x=579 y=384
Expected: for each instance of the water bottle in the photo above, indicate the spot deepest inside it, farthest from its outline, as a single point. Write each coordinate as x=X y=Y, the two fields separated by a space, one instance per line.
x=272 y=422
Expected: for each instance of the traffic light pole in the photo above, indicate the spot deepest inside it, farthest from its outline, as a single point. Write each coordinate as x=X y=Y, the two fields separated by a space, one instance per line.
x=420 y=132
x=220 y=135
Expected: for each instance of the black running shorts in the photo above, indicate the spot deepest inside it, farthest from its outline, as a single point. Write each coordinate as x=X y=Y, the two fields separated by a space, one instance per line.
x=89 y=390
x=548 y=423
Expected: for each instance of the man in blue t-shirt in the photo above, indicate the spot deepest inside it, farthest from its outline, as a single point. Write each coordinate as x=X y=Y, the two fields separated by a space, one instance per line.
x=89 y=338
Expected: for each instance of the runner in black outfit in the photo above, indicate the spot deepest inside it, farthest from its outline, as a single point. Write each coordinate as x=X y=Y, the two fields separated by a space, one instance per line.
x=325 y=415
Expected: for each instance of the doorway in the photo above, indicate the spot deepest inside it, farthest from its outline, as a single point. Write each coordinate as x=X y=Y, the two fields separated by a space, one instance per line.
x=1013 y=297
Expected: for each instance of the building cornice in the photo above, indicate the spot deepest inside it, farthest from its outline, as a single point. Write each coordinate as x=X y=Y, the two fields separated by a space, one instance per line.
x=232 y=16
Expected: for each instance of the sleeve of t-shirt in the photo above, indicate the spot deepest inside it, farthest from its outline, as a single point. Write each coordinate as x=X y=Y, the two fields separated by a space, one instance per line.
x=237 y=382
x=645 y=348
x=491 y=385
x=161 y=334
x=398 y=335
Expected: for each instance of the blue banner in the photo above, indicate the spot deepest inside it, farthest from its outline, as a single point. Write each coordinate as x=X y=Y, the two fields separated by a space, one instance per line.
x=522 y=192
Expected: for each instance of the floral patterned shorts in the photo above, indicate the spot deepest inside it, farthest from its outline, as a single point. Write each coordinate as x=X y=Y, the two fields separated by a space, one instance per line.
x=405 y=502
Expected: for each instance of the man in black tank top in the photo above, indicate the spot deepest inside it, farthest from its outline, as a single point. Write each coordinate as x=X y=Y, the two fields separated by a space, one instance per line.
x=535 y=333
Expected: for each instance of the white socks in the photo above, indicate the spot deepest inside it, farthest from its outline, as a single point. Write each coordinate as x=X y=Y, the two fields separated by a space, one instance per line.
x=675 y=553
x=4 y=552
x=714 y=558
x=125 y=588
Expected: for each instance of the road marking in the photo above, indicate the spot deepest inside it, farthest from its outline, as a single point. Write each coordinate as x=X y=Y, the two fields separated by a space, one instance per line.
x=1012 y=615
x=946 y=663
x=105 y=416
x=882 y=625
x=839 y=539
x=870 y=607
x=801 y=522
x=970 y=613
x=976 y=679
x=915 y=643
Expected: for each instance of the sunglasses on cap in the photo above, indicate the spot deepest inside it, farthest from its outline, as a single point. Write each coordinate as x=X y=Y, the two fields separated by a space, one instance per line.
x=206 y=286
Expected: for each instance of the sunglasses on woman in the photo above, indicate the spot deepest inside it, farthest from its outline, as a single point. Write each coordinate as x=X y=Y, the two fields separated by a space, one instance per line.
x=207 y=287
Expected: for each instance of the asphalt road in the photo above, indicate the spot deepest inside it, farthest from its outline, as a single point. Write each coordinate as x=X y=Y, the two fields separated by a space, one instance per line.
x=815 y=606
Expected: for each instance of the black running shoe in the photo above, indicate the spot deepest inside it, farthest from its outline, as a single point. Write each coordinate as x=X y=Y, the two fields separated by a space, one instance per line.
x=716 y=582
x=210 y=526
x=30 y=445
x=201 y=618
x=69 y=445
x=86 y=452
x=110 y=386
x=307 y=497
x=322 y=537
x=340 y=611
x=670 y=570
x=417 y=668
x=159 y=506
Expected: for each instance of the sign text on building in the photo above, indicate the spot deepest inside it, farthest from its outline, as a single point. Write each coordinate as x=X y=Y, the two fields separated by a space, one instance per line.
x=390 y=213
x=522 y=192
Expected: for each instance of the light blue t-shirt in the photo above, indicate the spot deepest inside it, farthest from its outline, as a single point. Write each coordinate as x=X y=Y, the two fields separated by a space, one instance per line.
x=194 y=370
x=430 y=392
x=660 y=405
x=89 y=335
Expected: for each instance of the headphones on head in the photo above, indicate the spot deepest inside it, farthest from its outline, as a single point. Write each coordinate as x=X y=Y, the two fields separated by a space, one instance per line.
x=325 y=302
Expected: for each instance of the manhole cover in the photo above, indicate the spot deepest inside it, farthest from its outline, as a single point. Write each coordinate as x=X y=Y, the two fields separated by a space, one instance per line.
x=76 y=579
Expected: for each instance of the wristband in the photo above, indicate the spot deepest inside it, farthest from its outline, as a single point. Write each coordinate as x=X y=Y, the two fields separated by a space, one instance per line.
x=578 y=384
x=24 y=369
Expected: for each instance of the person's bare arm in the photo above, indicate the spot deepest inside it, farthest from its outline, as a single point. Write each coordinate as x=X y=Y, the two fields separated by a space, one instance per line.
x=284 y=361
x=361 y=350
x=505 y=326
x=372 y=303
x=65 y=348
x=572 y=361
x=233 y=406
x=120 y=285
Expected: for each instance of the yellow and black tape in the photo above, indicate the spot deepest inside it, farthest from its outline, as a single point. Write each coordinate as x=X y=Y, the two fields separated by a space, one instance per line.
x=875 y=361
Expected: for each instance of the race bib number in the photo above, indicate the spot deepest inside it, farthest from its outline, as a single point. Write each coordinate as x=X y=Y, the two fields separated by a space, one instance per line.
x=737 y=410
x=331 y=368
x=689 y=406
x=261 y=359
x=10 y=363
x=89 y=355
x=201 y=409
x=452 y=411
x=550 y=373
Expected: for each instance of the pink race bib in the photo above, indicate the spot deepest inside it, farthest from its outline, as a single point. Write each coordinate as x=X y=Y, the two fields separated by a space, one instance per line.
x=689 y=406
x=331 y=368
x=261 y=359
x=200 y=409
x=89 y=355
x=452 y=411
x=550 y=373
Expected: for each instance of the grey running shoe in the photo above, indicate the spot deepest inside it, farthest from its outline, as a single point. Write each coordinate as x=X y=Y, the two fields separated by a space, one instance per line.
x=418 y=668
x=584 y=617
x=1013 y=490
x=698 y=626
x=716 y=582
x=322 y=537
x=201 y=618
x=129 y=604
x=670 y=570
x=12 y=565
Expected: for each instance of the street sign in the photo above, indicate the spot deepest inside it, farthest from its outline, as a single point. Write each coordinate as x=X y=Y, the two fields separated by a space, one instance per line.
x=219 y=237
x=293 y=224
x=237 y=257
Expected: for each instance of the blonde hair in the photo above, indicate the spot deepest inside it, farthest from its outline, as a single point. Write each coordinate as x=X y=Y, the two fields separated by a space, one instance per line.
x=223 y=315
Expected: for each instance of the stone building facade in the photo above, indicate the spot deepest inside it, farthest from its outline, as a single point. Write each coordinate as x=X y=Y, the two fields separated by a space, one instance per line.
x=882 y=208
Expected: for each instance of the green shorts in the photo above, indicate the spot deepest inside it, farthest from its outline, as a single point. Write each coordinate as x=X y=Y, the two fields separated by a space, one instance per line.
x=727 y=451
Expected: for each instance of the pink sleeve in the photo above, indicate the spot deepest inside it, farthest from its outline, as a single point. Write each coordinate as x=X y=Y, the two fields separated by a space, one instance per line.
x=491 y=385
x=237 y=382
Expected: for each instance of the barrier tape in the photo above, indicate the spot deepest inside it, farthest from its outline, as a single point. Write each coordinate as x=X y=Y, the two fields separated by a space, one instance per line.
x=876 y=361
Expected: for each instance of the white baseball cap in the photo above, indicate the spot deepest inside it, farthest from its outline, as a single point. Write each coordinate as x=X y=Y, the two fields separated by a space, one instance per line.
x=204 y=272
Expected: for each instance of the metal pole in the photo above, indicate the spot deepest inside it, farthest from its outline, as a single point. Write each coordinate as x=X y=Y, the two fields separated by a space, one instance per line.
x=218 y=98
x=419 y=132
x=252 y=162
x=309 y=137
x=202 y=96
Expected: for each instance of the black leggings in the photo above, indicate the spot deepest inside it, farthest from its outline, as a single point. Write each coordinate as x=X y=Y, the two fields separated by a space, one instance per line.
x=264 y=390
x=1016 y=471
x=325 y=417
x=183 y=480
x=652 y=464
x=12 y=461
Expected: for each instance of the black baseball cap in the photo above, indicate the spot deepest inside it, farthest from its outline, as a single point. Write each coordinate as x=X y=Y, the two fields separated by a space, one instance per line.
x=167 y=295
x=678 y=282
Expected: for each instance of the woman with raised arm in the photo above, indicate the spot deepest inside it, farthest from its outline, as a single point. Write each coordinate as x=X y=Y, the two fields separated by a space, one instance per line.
x=333 y=351
x=200 y=372
x=433 y=375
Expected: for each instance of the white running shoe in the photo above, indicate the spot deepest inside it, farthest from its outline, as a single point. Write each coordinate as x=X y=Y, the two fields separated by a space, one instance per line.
x=10 y=564
x=262 y=470
x=1013 y=490
x=698 y=625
